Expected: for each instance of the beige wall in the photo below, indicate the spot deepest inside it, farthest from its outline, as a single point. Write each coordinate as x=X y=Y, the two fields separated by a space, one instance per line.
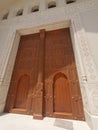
x=82 y=19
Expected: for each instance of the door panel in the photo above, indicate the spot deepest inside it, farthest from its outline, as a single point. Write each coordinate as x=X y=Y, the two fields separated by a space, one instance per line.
x=58 y=59
x=59 y=94
x=24 y=77
x=22 y=92
x=62 y=96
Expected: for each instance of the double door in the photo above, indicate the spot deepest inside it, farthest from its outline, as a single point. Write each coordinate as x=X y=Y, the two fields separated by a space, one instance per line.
x=44 y=80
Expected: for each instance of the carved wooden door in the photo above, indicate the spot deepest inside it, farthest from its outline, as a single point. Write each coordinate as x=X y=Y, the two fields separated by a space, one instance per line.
x=23 y=80
x=44 y=80
x=62 y=93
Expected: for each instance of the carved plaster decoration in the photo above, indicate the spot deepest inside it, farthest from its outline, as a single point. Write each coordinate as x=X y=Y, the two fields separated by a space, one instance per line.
x=89 y=65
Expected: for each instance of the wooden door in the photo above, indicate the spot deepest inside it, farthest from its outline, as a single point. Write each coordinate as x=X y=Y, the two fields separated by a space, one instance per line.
x=44 y=80
x=62 y=93
x=24 y=77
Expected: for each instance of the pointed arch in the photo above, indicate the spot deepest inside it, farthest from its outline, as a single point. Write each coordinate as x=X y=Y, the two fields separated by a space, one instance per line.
x=23 y=86
x=61 y=94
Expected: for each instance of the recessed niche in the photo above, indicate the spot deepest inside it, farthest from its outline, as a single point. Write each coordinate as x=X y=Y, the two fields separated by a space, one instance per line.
x=19 y=12
x=52 y=4
x=5 y=16
x=70 y=1
x=35 y=9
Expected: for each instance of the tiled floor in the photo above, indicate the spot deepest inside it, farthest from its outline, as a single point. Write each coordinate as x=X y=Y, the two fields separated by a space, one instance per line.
x=24 y=122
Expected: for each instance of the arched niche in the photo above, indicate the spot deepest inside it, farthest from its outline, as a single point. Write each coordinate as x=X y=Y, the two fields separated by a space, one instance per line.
x=35 y=9
x=51 y=4
x=5 y=16
x=70 y=1
x=19 y=12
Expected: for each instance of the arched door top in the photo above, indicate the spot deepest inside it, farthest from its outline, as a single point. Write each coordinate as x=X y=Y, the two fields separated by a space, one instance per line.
x=59 y=74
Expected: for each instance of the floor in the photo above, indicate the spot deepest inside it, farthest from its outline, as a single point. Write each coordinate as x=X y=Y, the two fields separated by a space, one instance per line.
x=23 y=122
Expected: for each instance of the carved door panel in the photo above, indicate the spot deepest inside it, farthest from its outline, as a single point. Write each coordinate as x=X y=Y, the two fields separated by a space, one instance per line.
x=24 y=76
x=22 y=92
x=61 y=97
x=61 y=80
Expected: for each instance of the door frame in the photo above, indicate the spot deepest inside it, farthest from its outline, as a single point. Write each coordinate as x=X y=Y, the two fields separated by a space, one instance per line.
x=54 y=26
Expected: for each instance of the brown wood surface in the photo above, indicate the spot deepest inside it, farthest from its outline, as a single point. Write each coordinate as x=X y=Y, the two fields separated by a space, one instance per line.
x=61 y=80
x=24 y=77
x=44 y=80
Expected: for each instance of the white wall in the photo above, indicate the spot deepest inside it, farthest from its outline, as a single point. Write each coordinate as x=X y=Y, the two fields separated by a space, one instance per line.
x=90 y=22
